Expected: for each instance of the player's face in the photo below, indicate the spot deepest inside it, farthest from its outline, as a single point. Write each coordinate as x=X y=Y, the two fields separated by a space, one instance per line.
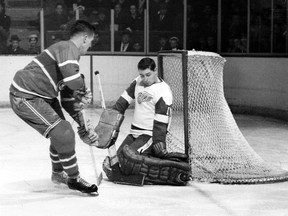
x=86 y=44
x=148 y=76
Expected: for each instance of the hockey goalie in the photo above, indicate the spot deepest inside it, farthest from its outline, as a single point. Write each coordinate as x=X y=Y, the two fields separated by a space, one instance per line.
x=142 y=158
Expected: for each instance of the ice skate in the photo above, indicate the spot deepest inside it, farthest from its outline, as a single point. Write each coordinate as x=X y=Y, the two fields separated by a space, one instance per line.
x=59 y=177
x=81 y=185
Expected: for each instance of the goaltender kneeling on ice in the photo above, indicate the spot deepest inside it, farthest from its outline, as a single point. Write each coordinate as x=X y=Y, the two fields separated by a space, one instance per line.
x=142 y=157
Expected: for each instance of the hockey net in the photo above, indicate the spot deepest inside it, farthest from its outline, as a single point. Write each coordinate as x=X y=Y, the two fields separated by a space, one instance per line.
x=203 y=126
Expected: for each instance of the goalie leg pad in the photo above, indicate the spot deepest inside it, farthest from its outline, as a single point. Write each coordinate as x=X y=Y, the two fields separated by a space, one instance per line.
x=115 y=175
x=155 y=170
x=108 y=128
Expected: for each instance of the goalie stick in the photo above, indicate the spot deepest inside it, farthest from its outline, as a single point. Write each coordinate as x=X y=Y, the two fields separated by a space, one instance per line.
x=118 y=177
x=100 y=176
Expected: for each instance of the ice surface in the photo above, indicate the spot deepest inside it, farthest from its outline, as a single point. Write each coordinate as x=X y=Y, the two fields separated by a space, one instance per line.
x=26 y=189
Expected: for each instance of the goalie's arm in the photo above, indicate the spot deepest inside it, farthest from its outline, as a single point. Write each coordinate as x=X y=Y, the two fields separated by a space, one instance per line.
x=161 y=120
x=163 y=112
x=125 y=99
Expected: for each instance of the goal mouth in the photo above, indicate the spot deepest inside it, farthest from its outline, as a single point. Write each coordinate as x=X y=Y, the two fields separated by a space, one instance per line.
x=203 y=126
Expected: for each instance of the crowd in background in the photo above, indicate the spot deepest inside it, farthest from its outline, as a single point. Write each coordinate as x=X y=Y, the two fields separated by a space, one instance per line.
x=165 y=25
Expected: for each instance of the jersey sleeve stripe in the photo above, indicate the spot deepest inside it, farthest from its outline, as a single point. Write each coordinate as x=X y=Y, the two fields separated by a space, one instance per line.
x=67 y=99
x=126 y=96
x=68 y=62
x=28 y=92
x=67 y=79
x=50 y=54
x=161 y=118
x=46 y=73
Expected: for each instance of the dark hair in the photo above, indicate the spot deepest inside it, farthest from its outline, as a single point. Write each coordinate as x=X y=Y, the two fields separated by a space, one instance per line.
x=145 y=63
x=81 y=26
x=59 y=4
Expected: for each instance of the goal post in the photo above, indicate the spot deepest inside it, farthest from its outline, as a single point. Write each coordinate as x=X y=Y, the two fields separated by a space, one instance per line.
x=203 y=126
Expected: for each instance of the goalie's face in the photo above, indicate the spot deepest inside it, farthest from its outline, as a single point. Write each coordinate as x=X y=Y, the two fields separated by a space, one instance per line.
x=148 y=76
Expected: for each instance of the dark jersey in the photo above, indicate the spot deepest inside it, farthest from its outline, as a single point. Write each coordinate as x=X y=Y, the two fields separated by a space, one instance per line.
x=45 y=76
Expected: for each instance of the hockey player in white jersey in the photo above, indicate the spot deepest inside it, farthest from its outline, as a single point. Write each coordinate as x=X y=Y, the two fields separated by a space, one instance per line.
x=143 y=152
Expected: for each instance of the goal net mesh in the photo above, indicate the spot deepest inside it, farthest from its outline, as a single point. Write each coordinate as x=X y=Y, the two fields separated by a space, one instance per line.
x=203 y=126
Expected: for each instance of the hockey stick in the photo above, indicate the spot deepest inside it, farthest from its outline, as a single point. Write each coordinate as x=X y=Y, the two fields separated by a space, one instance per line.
x=100 y=177
x=118 y=177
x=111 y=149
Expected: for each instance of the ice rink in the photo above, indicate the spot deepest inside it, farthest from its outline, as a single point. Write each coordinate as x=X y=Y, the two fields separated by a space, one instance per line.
x=26 y=189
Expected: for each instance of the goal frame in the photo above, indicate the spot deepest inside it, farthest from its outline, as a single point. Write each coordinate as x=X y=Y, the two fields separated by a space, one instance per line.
x=184 y=57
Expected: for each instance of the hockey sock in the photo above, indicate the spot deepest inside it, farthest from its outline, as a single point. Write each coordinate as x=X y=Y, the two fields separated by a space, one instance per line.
x=56 y=163
x=69 y=163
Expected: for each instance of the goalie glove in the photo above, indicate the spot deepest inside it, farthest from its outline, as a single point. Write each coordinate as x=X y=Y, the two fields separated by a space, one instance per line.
x=159 y=150
x=88 y=136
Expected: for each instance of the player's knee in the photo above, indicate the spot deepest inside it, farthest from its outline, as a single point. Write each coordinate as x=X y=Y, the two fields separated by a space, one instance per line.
x=63 y=137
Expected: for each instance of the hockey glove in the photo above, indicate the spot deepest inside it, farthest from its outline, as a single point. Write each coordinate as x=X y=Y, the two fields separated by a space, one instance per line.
x=82 y=98
x=159 y=150
x=89 y=136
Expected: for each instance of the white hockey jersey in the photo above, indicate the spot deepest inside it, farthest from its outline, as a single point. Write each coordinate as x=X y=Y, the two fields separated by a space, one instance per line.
x=152 y=108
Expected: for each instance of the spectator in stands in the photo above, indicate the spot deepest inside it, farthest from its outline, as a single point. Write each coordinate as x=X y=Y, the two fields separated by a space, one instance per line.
x=49 y=7
x=237 y=26
x=208 y=21
x=119 y=17
x=33 y=44
x=97 y=44
x=5 y=22
x=125 y=43
x=134 y=22
x=161 y=20
x=174 y=43
x=154 y=6
x=137 y=47
x=243 y=41
x=85 y=3
x=82 y=16
x=14 y=48
x=162 y=44
x=57 y=20
x=99 y=20
x=237 y=46
x=141 y=6
x=124 y=4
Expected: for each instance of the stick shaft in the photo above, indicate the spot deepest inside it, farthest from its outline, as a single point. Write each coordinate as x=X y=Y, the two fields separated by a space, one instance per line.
x=91 y=149
x=101 y=92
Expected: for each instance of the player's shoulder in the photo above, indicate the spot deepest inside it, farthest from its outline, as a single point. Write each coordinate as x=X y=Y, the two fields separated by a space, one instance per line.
x=163 y=85
x=64 y=50
x=62 y=46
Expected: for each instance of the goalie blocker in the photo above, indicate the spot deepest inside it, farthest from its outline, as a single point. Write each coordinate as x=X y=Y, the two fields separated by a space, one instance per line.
x=108 y=128
x=134 y=168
